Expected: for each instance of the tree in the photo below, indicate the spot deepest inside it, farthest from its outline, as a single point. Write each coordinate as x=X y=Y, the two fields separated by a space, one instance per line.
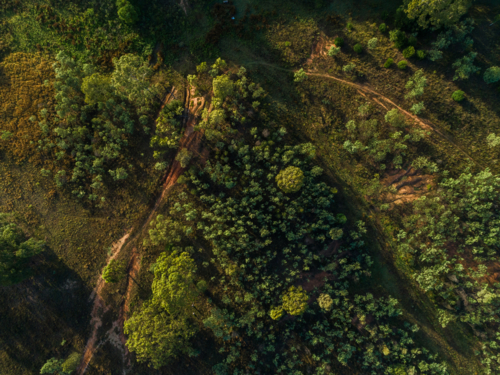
x=71 y=363
x=290 y=179
x=157 y=336
x=325 y=301
x=97 y=88
x=416 y=85
x=465 y=66
x=458 y=95
x=184 y=157
x=295 y=300
x=299 y=76
x=492 y=74
x=223 y=87
x=52 y=366
x=173 y=285
x=15 y=252
x=127 y=12
x=333 y=51
x=114 y=271
x=436 y=12
x=276 y=312
x=131 y=80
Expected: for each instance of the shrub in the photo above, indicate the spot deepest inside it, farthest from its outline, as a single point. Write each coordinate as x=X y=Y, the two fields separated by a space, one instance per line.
x=388 y=63
x=349 y=26
x=382 y=28
x=339 y=42
x=299 y=76
x=492 y=74
x=409 y=52
x=417 y=108
x=421 y=54
x=333 y=51
x=399 y=38
x=458 y=96
x=290 y=179
x=372 y=43
x=465 y=66
x=402 y=64
x=358 y=48
x=349 y=67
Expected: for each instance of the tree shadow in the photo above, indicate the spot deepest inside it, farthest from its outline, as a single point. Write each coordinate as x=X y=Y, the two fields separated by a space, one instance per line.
x=37 y=314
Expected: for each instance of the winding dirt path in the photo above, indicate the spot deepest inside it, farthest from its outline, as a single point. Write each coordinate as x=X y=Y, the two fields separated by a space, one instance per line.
x=190 y=140
x=364 y=90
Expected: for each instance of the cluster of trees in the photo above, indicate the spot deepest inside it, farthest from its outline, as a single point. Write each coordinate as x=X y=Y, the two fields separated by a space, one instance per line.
x=16 y=250
x=233 y=101
x=367 y=137
x=453 y=239
x=94 y=117
x=263 y=209
x=162 y=327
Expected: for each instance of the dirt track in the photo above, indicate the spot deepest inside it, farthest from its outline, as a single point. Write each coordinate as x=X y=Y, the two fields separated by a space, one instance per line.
x=365 y=90
x=192 y=141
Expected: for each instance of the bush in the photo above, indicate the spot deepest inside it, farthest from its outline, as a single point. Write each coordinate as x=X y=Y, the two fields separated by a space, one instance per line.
x=333 y=51
x=349 y=67
x=349 y=26
x=402 y=64
x=339 y=42
x=388 y=63
x=421 y=54
x=464 y=67
x=382 y=28
x=372 y=43
x=358 y=48
x=399 y=38
x=492 y=74
x=458 y=96
x=409 y=52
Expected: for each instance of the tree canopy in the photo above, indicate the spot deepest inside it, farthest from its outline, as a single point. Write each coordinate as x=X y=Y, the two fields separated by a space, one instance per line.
x=15 y=252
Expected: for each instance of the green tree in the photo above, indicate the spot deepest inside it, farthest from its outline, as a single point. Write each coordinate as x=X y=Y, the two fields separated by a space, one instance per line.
x=436 y=12
x=15 y=252
x=464 y=66
x=52 y=366
x=492 y=74
x=127 y=12
x=295 y=301
x=290 y=179
x=184 y=157
x=416 y=85
x=458 y=95
x=276 y=312
x=156 y=336
x=114 y=271
x=299 y=76
x=97 y=88
x=71 y=363
x=173 y=285
x=223 y=87
x=131 y=79
x=325 y=301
